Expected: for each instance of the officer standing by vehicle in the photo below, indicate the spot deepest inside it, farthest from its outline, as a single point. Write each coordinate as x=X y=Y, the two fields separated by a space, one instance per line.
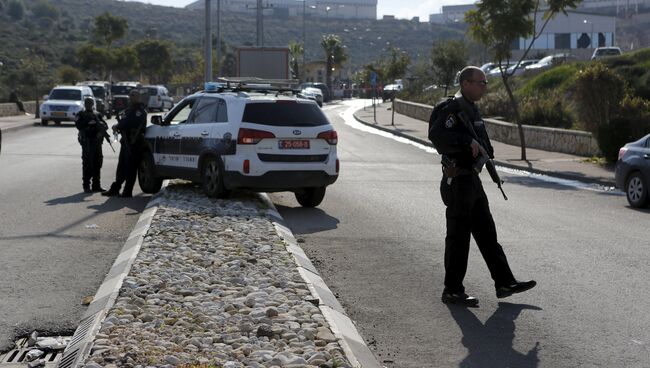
x=91 y=136
x=458 y=133
x=131 y=126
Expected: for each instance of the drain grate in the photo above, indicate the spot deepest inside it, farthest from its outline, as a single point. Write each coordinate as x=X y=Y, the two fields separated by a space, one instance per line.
x=17 y=356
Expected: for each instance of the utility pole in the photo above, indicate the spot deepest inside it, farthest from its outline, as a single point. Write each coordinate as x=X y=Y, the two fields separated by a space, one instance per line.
x=304 y=41
x=260 y=21
x=208 y=42
x=219 y=69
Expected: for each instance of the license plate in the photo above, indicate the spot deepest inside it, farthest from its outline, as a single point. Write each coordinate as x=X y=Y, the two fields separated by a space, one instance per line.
x=58 y=114
x=293 y=144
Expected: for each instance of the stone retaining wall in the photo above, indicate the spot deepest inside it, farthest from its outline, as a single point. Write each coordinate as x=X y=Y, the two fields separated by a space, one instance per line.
x=10 y=108
x=549 y=139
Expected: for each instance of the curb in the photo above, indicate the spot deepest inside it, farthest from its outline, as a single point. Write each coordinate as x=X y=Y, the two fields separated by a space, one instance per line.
x=342 y=326
x=17 y=127
x=81 y=343
x=555 y=174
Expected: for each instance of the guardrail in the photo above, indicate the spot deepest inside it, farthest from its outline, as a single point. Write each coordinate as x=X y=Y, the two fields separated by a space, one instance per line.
x=573 y=142
x=10 y=108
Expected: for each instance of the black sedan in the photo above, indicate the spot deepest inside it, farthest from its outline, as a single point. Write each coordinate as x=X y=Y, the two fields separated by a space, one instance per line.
x=633 y=171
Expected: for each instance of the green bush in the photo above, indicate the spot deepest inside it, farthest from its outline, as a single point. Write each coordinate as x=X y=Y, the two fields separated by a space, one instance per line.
x=631 y=123
x=556 y=78
x=546 y=109
x=496 y=104
x=598 y=93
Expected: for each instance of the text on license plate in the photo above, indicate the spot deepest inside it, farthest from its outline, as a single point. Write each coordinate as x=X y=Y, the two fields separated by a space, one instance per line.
x=293 y=144
x=58 y=114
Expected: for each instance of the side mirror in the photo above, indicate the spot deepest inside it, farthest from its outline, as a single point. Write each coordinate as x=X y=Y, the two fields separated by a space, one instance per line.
x=46 y=97
x=156 y=120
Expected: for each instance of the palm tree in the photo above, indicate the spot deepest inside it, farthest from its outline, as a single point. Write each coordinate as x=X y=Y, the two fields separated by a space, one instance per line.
x=335 y=54
x=296 y=50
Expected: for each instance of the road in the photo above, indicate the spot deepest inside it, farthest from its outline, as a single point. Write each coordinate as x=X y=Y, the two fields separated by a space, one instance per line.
x=378 y=241
x=56 y=243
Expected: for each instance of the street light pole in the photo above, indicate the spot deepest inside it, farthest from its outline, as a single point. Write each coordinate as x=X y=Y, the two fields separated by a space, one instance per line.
x=219 y=38
x=208 y=42
x=304 y=41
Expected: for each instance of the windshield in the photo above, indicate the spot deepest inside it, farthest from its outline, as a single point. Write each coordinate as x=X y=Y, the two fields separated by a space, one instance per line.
x=98 y=91
x=121 y=90
x=546 y=60
x=284 y=113
x=608 y=52
x=65 y=94
x=152 y=91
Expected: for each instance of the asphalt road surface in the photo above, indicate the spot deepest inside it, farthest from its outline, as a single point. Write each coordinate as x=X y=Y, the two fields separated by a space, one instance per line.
x=378 y=241
x=56 y=242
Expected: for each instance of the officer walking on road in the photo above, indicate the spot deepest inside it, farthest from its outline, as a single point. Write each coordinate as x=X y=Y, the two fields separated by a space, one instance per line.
x=458 y=133
x=91 y=136
x=131 y=126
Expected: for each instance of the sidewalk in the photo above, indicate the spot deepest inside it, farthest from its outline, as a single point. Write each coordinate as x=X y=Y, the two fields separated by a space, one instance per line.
x=10 y=123
x=555 y=164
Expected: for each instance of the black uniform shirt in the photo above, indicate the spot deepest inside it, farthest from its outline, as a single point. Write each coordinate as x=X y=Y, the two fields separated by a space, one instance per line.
x=449 y=134
x=133 y=124
x=89 y=125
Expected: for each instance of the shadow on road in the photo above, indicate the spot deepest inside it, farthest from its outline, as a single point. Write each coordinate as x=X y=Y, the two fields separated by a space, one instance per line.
x=303 y=220
x=490 y=344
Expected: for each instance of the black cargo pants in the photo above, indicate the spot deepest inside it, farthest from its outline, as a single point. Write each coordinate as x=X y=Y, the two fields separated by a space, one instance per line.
x=92 y=160
x=468 y=213
x=127 y=167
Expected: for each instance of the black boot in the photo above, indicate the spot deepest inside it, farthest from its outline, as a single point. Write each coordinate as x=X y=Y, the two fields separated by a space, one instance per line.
x=86 y=188
x=97 y=187
x=112 y=192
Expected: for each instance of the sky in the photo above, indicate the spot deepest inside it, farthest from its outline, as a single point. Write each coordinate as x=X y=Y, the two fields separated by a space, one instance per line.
x=403 y=9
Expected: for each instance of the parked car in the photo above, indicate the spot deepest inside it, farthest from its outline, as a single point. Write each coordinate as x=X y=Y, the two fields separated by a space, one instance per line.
x=233 y=139
x=487 y=67
x=633 y=172
x=120 y=95
x=157 y=98
x=519 y=68
x=63 y=103
x=550 y=61
x=390 y=91
x=101 y=91
x=313 y=93
x=327 y=95
x=602 y=52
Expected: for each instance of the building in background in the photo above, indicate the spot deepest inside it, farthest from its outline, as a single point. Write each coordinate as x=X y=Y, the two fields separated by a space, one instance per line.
x=345 y=9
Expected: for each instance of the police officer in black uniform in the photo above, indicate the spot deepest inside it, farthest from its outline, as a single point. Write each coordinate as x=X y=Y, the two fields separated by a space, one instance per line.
x=91 y=136
x=131 y=126
x=463 y=151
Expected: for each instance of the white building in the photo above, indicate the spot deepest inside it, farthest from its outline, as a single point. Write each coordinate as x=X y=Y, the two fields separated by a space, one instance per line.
x=347 y=9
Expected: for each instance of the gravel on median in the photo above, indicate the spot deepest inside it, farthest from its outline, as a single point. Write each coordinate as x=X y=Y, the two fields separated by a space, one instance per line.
x=214 y=286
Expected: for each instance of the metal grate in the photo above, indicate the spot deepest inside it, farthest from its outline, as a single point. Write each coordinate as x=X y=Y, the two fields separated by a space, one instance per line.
x=17 y=357
x=69 y=359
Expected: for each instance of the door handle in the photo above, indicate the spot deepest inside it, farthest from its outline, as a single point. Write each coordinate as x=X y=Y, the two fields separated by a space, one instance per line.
x=204 y=133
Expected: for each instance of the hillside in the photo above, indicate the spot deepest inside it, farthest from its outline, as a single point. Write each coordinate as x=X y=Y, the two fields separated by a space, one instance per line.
x=55 y=37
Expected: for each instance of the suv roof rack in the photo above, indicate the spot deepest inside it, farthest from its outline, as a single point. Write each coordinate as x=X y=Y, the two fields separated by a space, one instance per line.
x=230 y=84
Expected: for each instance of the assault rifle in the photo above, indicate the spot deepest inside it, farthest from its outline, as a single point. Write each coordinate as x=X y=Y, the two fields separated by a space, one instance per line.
x=104 y=128
x=484 y=159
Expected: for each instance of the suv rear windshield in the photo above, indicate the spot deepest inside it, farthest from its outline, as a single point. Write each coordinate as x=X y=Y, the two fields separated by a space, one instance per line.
x=284 y=114
x=121 y=90
x=98 y=91
x=65 y=94
x=152 y=91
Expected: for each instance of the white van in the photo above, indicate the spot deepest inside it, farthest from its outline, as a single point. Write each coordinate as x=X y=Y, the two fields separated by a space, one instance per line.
x=158 y=98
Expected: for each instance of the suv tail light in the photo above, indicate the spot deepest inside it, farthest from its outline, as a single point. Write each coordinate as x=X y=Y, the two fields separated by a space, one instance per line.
x=330 y=136
x=621 y=152
x=252 y=136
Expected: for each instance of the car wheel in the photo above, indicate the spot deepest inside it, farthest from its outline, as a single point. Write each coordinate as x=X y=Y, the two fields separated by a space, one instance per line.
x=56 y=122
x=636 y=190
x=44 y=122
x=147 y=179
x=212 y=177
x=310 y=197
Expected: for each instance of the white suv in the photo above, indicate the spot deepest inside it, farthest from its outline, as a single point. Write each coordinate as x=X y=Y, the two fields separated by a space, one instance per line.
x=64 y=103
x=243 y=140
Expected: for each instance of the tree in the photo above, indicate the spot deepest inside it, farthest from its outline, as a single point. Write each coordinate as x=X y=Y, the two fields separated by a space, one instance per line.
x=124 y=61
x=16 y=9
x=296 y=51
x=497 y=24
x=447 y=58
x=395 y=67
x=94 y=59
x=43 y=9
x=154 y=59
x=108 y=28
x=67 y=74
x=334 y=54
